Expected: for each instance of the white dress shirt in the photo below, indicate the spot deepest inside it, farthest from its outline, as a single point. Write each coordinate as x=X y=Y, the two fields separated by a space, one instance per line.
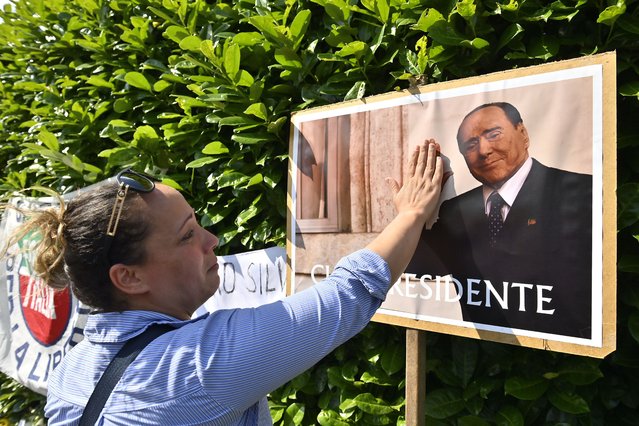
x=509 y=190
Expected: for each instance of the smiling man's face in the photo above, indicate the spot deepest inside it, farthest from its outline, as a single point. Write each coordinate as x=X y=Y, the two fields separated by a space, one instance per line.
x=493 y=147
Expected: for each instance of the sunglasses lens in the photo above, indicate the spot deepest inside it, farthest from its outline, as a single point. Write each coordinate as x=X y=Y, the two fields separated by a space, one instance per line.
x=136 y=181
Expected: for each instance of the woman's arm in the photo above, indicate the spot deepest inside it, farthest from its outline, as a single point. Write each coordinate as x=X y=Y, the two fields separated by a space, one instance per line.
x=246 y=353
x=415 y=201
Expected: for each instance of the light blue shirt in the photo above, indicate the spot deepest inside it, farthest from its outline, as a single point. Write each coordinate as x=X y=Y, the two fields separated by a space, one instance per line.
x=216 y=369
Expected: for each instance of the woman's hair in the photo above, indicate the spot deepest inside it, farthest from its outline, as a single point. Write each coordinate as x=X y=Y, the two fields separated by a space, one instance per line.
x=74 y=249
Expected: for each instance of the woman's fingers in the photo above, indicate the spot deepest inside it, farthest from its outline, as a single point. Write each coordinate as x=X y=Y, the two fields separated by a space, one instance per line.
x=438 y=173
x=426 y=159
x=412 y=164
x=432 y=158
x=421 y=157
x=394 y=186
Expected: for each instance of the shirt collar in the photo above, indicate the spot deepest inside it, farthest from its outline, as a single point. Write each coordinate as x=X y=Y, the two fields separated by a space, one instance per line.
x=112 y=327
x=511 y=187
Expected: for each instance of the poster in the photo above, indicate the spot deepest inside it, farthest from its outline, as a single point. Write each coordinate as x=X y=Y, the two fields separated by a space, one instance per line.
x=549 y=282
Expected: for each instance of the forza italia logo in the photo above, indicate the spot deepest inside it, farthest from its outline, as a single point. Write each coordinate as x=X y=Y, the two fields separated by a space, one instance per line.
x=45 y=311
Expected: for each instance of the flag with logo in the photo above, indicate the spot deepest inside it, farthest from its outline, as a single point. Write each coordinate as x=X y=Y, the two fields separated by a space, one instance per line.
x=38 y=325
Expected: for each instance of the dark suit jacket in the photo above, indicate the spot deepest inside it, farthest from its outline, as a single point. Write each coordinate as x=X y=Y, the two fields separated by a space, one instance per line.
x=545 y=241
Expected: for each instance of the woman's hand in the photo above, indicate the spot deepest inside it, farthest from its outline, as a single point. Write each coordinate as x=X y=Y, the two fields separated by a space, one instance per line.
x=416 y=201
x=422 y=182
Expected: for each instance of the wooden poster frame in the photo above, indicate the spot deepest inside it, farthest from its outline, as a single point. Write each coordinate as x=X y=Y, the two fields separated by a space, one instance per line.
x=603 y=67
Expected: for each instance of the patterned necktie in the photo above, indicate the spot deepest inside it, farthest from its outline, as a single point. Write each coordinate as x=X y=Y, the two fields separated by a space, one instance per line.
x=495 y=220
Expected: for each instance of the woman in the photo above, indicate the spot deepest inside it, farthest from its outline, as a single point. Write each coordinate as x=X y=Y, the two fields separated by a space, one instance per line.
x=135 y=252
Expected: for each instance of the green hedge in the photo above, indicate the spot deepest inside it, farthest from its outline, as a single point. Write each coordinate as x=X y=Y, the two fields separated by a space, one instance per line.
x=201 y=92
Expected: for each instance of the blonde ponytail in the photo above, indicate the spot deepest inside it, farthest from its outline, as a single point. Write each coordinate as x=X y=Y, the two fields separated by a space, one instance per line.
x=49 y=225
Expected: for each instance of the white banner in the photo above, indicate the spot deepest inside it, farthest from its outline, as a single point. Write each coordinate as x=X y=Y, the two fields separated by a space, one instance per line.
x=38 y=326
x=249 y=279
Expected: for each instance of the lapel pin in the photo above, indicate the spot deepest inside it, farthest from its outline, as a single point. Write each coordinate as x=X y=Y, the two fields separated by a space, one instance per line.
x=532 y=221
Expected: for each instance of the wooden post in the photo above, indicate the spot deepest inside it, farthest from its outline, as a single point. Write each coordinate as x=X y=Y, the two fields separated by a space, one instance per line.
x=415 y=377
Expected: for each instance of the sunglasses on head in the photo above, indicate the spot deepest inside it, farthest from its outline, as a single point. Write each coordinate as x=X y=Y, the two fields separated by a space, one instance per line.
x=128 y=178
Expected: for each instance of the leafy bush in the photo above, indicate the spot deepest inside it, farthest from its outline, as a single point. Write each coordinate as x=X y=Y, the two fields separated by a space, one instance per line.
x=200 y=93
x=17 y=402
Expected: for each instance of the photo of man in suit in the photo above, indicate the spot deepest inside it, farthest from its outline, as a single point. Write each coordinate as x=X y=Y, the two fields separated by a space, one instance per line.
x=518 y=247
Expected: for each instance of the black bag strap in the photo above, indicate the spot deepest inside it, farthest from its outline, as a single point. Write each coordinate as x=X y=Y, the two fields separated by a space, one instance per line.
x=115 y=369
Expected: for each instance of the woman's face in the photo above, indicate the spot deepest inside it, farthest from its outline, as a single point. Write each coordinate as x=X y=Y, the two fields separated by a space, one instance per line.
x=181 y=269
